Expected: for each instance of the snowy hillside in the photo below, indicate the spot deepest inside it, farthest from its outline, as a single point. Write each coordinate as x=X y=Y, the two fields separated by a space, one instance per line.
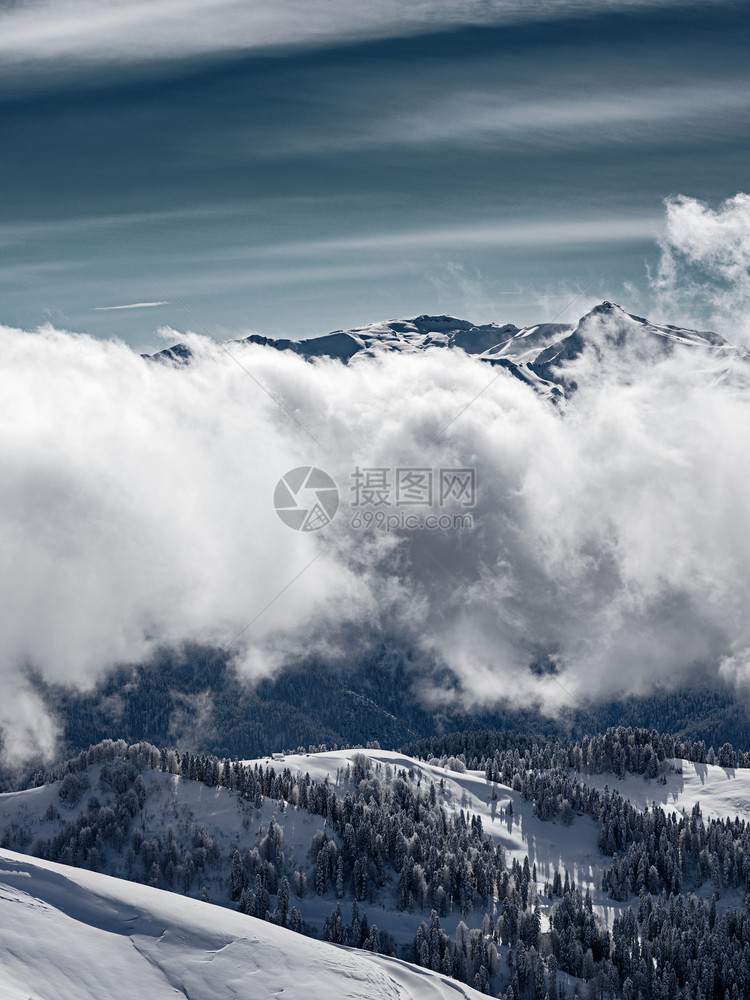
x=248 y=845
x=721 y=792
x=176 y=804
x=69 y=934
x=506 y=816
x=513 y=866
x=174 y=808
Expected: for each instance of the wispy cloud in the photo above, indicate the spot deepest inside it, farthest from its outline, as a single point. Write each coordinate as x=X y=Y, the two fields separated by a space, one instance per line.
x=530 y=233
x=640 y=114
x=132 y=305
x=511 y=113
x=90 y=32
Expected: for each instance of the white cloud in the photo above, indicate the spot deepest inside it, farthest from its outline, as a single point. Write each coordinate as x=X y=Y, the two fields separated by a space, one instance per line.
x=577 y=118
x=136 y=508
x=132 y=305
x=705 y=263
x=57 y=33
x=527 y=233
x=611 y=113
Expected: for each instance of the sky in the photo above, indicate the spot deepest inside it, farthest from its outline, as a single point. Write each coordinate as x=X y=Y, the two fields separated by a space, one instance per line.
x=206 y=170
x=297 y=168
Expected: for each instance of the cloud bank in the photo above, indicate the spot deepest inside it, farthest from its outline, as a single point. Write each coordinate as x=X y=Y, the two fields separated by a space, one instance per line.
x=136 y=509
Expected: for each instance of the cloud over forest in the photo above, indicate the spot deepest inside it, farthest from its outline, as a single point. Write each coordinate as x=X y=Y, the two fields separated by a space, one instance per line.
x=136 y=510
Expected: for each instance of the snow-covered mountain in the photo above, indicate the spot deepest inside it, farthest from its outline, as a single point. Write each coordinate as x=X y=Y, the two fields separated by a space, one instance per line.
x=403 y=336
x=523 y=869
x=536 y=354
x=185 y=944
x=71 y=934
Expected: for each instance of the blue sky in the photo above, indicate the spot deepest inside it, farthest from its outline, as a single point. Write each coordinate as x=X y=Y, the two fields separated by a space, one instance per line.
x=298 y=167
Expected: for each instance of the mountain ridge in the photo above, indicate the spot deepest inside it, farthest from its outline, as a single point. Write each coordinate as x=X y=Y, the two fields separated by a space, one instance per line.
x=534 y=354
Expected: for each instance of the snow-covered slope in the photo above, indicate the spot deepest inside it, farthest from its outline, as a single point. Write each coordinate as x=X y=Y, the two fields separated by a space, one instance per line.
x=69 y=934
x=545 y=356
x=174 y=807
x=506 y=817
x=233 y=822
x=407 y=336
x=553 y=342
x=177 y=944
x=721 y=792
x=415 y=334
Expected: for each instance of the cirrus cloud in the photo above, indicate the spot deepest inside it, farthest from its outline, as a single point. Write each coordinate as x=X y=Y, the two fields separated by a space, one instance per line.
x=60 y=33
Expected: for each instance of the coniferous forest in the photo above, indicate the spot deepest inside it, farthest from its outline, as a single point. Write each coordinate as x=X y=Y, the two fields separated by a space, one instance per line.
x=393 y=864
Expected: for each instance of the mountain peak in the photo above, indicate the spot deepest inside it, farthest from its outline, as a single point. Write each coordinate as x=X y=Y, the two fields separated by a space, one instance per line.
x=606 y=308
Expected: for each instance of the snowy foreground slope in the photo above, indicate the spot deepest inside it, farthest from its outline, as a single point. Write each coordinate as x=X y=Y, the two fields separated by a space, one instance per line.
x=436 y=863
x=69 y=934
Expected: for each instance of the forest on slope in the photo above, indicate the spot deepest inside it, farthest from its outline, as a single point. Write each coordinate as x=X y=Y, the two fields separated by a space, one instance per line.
x=464 y=857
